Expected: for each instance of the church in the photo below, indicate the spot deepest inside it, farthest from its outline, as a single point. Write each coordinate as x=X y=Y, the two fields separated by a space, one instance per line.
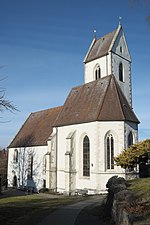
x=71 y=148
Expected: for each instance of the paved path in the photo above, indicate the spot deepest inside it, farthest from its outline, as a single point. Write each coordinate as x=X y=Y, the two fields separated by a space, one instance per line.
x=68 y=215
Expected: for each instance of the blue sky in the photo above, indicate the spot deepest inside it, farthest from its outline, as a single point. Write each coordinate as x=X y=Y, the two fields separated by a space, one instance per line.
x=43 y=44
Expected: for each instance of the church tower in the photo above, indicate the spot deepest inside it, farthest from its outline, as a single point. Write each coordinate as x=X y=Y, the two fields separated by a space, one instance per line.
x=110 y=55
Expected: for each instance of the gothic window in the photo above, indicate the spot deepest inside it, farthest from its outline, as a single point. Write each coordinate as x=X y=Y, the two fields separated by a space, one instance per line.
x=30 y=167
x=15 y=157
x=97 y=73
x=109 y=152
x=130 y=139
x=86 y=156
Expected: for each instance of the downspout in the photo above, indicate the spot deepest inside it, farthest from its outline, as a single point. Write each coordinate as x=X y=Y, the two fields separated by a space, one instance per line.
x=56 y=154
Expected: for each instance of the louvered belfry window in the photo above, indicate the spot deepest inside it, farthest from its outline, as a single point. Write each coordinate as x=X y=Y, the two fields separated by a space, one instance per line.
x=86 y=156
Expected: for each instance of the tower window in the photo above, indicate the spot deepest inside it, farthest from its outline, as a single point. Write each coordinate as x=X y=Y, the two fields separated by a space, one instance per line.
x=15 y=157
x=97 y=72
x=121 y=72
x=130 y=139
x=109 y=152
x=86 y=156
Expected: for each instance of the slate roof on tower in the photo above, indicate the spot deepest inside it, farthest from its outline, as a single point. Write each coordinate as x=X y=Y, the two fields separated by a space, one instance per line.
x=100 y=100
x=102 y=46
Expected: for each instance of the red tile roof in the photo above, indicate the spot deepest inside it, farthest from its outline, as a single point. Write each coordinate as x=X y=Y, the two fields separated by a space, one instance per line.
x=100 y=100
x=37 y=129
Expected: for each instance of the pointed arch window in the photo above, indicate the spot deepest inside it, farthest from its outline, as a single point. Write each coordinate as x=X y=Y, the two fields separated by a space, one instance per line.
x=109 y=152
x=121 y=72
x=86 y=156
x=130 y=139
x=15 y=157
x=97 y=72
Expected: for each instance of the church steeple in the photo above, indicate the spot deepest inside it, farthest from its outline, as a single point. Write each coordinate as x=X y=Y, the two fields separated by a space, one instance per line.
x=110 y=55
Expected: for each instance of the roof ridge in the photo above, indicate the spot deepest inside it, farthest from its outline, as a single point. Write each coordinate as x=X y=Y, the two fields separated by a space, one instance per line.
x=115 y=37
x=107 y=34
x=99 y=111
x=90 y=48
x=126 y=103
x=116 y=87
x=40 y=111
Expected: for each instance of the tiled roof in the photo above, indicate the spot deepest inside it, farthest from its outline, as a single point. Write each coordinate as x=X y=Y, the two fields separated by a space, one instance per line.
x=37 y=129
x=100 y=100
x=100 y=47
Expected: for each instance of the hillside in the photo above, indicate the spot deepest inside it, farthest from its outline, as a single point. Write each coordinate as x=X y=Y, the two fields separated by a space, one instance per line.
x=141 y=188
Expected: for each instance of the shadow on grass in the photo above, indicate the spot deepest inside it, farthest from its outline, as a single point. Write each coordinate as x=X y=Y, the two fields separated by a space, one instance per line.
x=30 y=209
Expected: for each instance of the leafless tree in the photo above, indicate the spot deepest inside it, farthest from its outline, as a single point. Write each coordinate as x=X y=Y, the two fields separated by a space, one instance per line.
x=6 y=104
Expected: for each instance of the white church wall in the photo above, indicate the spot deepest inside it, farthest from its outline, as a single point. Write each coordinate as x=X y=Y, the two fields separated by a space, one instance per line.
x=120 y=54
x=121 y=42
x=81 y=130
x=20 y=167
x=133 y=128
x=89 y=67
x=96 y=131
x=126 y=83
x=99 y=175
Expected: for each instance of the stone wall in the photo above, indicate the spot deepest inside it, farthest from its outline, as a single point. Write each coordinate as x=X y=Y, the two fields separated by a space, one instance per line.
x=124 y=206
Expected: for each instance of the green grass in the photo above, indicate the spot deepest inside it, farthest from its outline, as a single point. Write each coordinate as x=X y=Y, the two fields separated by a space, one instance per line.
x=141 y=187
x=29 y=209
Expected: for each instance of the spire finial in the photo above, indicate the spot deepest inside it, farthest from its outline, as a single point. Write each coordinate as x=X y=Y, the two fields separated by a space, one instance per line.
x=94 y=31
x=120 y=18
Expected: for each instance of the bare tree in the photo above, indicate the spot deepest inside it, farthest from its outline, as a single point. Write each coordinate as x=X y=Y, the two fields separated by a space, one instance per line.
x=6 y=104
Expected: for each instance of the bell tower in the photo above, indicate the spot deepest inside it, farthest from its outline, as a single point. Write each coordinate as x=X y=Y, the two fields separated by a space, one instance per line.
x=110 y=55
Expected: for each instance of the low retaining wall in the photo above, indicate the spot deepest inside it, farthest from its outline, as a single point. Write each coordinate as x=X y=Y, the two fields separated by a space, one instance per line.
x=123 y=205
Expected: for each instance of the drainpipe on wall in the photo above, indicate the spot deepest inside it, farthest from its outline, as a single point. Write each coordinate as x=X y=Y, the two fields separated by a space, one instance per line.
x=56 y=154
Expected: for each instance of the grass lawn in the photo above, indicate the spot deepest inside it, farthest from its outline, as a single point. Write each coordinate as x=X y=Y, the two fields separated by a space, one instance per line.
x=30 y=209
x=141 y=187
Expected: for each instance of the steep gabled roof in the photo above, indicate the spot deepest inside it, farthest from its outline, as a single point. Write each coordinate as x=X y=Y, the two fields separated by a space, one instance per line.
x=100 y=100
x=36 y=129
x=100 y=47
